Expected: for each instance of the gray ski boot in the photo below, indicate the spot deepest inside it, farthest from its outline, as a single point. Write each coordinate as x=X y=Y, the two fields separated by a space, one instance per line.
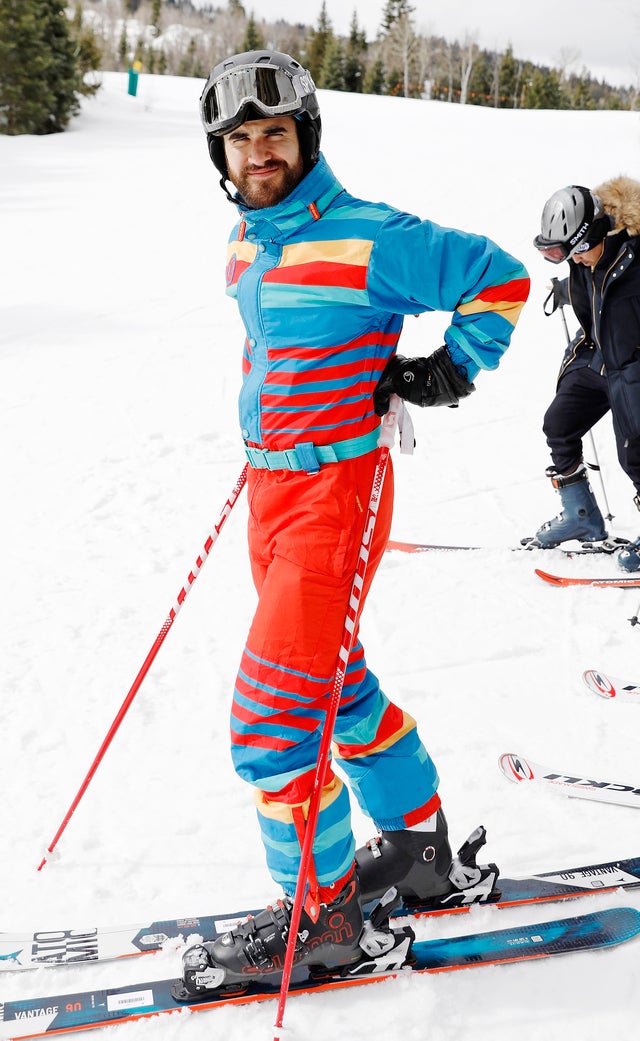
x=580 y=517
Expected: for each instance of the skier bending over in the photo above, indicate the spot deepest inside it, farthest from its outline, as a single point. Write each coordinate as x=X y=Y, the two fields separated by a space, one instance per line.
x=598 y=232
x=323 y=281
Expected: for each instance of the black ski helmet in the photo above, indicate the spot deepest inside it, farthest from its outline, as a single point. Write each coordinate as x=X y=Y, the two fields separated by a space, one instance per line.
x=258 y=85
x=573 y=220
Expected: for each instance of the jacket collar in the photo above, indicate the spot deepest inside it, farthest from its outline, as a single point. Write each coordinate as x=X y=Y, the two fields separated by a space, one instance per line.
x=304 y=205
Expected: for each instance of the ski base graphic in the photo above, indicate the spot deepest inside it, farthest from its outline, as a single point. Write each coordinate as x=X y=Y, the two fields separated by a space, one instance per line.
x=518 y=768
x=611 y=687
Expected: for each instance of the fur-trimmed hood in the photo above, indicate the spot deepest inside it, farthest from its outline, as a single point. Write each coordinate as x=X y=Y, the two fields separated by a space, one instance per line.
x=621 y=200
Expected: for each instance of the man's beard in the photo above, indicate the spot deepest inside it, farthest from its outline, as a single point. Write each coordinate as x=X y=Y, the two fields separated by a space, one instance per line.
x=260 y=195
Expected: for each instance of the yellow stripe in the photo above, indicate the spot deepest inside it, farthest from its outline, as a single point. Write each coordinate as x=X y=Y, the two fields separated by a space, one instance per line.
x=507 y=308
x=281 y=811
x=242 y=250
x=408 y=723
x=340 y=251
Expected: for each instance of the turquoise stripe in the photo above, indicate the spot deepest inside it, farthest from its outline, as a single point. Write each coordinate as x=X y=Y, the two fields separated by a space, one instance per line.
x=280 y=668
x=296 y=735
x=324 y=840
x=342 y=355
x=333 y=847
x=287 y=296
x=364 y=730
x=317 y=428
x=296 y=696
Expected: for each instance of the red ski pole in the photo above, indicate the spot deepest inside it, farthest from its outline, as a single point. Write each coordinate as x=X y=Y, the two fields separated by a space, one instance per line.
x=385 y=442
x=159 y=640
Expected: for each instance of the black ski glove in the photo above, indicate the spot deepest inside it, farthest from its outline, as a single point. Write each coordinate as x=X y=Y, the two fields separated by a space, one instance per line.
x=423 y=381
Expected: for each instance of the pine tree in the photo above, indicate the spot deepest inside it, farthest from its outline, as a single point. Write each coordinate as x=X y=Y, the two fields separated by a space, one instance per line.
x=156 y=14
x=354 y=65
x=481 y=82
x=581 y=97
x=394 y=9
x=510 y=79
x=41 y=77
x=332 y=73
x=87 y=50
x=316 y=43
x=123 y=46
x=253 y=38
x=374 y=80
x=545 y=90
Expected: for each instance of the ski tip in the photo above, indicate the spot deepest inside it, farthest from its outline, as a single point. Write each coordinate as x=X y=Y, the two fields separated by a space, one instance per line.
x=553 y=580
x=598 y=683
x=611 y=687
x=516 y=767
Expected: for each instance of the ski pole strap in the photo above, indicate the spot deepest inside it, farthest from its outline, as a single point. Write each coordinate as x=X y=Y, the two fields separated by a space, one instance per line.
x=307 y=456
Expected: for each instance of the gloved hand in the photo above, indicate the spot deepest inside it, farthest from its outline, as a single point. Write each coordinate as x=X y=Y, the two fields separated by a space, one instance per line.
x=423 y=381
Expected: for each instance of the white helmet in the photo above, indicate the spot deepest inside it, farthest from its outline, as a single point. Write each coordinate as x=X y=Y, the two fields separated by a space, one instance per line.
x=571 y=223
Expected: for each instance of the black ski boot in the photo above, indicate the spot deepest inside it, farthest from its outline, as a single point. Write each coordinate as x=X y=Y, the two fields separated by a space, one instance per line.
x=420 y=866
x=258 y=946
x=339 y=943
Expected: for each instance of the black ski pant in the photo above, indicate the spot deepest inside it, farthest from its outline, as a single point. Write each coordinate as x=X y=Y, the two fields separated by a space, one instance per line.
x=582 y=398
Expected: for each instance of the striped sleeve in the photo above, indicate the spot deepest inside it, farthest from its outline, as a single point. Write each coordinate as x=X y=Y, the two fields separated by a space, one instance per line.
x=418 y=266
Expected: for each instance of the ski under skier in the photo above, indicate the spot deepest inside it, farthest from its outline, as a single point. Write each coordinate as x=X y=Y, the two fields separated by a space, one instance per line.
x=598 y=233
x=323 y=282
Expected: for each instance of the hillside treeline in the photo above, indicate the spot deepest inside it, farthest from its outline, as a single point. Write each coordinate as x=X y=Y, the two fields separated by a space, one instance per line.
x=178 y=38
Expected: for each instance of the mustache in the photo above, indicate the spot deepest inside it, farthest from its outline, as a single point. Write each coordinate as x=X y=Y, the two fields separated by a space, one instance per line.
x=269 y=164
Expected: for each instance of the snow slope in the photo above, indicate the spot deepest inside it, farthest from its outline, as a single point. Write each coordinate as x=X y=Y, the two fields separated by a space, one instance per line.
x=119 y=369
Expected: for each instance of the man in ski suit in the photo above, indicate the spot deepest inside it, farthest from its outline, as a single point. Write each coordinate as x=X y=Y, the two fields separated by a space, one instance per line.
x=323 y=281
x=598 y=232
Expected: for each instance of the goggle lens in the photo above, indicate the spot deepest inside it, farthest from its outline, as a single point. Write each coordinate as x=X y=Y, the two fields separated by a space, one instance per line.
x=269 y=89
x=555 y=253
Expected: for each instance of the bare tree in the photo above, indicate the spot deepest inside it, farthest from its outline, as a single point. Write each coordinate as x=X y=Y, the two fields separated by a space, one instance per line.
x=401 y=45
x=468 y=54
x=424 y=58
x=565 y=60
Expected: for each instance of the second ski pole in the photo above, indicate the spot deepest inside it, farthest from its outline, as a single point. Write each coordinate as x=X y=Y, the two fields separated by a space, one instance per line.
x=146 y=665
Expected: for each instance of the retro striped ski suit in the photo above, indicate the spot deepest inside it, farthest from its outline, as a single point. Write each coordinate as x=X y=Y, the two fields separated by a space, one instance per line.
x=323 y=281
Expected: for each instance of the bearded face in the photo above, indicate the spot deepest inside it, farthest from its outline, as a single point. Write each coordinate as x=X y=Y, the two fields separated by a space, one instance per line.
x=264 y=160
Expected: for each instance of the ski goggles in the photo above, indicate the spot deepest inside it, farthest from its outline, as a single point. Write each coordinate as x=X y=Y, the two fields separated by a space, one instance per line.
x=269 y=89
x=556 y=252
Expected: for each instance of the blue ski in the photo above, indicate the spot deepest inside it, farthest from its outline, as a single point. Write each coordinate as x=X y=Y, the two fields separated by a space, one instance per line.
x=82 y=1010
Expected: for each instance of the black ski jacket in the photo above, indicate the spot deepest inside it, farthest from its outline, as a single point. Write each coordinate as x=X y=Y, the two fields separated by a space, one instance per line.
x=606 y=302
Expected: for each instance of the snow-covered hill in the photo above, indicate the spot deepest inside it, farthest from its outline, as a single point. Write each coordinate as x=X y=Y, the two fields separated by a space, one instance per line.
x=119 y=369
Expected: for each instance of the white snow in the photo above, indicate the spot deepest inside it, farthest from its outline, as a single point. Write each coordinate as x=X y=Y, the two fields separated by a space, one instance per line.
x=120 y=366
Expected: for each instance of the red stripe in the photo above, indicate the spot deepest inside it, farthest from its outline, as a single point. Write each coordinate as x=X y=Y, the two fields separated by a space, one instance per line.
x=352 y=419
x=282 y=700
x=517 y=289
x=391 y=722
x=277 y=722
x=372 y=339
x=423 y=812
x=320 y=273
x=341 y=372
x=271 y=744
x=240 y=268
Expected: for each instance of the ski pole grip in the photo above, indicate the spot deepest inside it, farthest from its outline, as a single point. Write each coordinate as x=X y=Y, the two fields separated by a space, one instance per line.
x=390 y=422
